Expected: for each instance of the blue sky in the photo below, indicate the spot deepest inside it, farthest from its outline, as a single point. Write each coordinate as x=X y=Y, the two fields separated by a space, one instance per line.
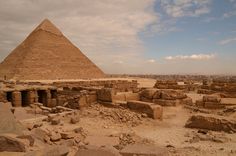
x=134 y=36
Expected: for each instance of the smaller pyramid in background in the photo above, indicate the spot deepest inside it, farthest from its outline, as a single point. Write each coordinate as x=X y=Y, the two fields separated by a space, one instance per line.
x=46 y=54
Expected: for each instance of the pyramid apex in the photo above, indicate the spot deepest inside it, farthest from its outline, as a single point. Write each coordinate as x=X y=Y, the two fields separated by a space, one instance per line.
x=47 y=25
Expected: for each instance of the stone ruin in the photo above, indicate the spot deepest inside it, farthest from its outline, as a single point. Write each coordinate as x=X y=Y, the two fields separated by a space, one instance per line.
x=56 y=107
x=174 y=84
x=227 y=87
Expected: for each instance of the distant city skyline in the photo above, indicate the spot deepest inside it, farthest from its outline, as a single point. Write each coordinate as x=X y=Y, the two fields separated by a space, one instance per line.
x=133 y=36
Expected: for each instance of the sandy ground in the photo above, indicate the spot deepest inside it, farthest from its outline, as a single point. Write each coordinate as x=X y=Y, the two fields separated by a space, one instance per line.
x=170 y=131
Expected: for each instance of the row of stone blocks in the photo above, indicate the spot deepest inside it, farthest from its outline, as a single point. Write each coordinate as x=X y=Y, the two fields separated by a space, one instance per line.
x=210 y=102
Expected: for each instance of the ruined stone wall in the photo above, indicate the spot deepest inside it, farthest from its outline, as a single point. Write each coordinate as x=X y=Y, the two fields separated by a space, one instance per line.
x=76 y=99
x=226 y=86
x=118 y=85
x=171 y=84
x=166 y=97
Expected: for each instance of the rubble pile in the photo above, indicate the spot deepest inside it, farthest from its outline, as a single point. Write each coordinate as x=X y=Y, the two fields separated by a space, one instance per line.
x=119 y=115
x=205 y=135
x=76 y=99
x=131 y=138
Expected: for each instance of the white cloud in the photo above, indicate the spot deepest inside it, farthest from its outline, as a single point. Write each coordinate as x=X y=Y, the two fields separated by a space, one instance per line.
x=227 y=41
x=181 y=8
x=151 y=61
x=229 y=14
x=102 y=29
x=191 y=57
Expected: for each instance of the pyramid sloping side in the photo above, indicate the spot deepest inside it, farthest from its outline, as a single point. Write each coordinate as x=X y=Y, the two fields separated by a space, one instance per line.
x=46 y=55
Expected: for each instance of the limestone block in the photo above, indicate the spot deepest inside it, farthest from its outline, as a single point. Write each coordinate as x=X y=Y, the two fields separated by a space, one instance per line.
x=152 y=110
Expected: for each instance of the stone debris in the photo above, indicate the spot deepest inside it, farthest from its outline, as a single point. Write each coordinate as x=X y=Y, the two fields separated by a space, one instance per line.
x=118 y=115
x=203 y=135
x=11 y=144
x=131 y=138
x=209 y=122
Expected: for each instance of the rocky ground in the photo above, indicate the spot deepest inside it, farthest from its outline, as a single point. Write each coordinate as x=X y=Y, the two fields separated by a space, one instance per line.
x=113 y=129
x=118 y=127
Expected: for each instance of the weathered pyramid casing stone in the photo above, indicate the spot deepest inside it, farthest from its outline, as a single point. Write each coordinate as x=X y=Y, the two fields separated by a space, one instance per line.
x=47 y=54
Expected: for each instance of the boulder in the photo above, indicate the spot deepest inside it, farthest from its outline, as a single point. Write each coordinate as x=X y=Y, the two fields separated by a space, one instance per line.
x=11 y=144
x=8 y=123
x=143 y=150
x=40 y=134
x=172 y=94
x=28 y=137
x=148 y=93
x=74 y=119
x=55 y=120
x=152 y=110
x=214 y=123
x=55 y=136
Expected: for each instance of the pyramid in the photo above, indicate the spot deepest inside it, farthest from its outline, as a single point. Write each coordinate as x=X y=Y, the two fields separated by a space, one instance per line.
x=46 y=54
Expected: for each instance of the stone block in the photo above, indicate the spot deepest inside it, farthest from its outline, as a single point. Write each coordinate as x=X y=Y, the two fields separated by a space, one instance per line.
x=210 y=122
x=213 y=105
x=152 y=110
x=211 y=98
x=105 y=94
x=163 y=102
x=11 y=144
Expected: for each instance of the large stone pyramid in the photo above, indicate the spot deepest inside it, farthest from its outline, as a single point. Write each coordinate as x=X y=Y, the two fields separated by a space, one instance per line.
x=46 y=54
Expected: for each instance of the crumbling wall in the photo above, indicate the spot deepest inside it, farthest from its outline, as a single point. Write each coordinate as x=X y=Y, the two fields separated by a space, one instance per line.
x=222 y=85
x=117 y=85
x=172 y=84
x=76 y=99
x=165 y=97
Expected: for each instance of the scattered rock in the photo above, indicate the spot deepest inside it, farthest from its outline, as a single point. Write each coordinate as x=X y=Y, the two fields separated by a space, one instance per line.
x=74 y=119
x=209 y=122
x=28 y=137
x=55 y=120
x=11 y=144
x=67 y=135
x=55 y=136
